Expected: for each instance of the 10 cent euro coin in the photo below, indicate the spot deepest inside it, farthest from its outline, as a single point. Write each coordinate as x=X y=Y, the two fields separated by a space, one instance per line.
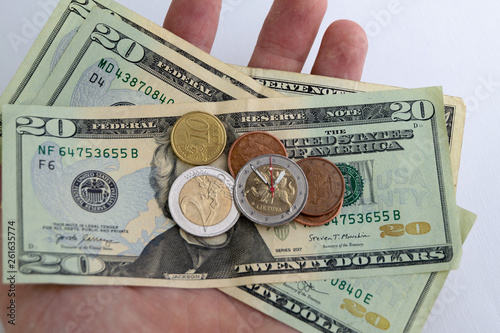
x=201 y=201
x=271 y=190
x=198 y=138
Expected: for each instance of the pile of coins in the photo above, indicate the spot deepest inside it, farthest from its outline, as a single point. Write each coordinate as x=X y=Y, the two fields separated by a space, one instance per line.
x=326 y=191
x=268 y=187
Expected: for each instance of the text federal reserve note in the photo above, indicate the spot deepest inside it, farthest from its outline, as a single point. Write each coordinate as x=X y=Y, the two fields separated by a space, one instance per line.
x=88 y=193
x=296 y=84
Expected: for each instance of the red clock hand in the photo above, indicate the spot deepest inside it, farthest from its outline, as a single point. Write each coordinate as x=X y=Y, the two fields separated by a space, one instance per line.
x=271 y=172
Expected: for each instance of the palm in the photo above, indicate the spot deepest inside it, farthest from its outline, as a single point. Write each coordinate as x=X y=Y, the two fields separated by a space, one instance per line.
x=284 y=43
x=54 y=308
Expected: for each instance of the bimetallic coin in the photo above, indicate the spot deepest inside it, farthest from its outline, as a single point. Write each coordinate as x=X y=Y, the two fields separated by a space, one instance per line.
x=314 y=221
x=270 y=190
x=201 y=201
x=251 y=145
x=326 y=185
x=198 y=138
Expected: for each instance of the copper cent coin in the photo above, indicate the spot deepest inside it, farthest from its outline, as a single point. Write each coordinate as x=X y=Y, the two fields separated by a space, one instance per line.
x=250 y=145
x=198 y=138
x=326 y=185
x=314 y=221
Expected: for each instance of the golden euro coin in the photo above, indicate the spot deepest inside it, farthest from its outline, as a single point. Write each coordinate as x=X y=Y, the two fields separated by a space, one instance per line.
x=198 y=138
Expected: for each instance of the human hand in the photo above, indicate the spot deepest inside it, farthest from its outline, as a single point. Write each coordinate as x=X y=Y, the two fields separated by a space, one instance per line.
x=284 y=43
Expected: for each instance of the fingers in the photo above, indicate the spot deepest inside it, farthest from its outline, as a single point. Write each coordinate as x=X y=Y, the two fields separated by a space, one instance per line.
x=342 y=52
x=288 y=34
x=196 y=21
x=285 y=39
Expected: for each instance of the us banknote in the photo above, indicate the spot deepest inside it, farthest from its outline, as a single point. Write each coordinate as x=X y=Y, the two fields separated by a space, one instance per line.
x=63 y=25
x=110 y=63
x=414 y=304
x=400 y=214
x=393 y=303
x=297 y=84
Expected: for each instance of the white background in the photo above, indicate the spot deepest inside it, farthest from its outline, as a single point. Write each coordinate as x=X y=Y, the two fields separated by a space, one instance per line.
x=454 y=44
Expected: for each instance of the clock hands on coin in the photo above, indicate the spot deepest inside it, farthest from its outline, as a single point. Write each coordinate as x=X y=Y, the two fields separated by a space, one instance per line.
x=259 y=174
x=272 y=186
x=254 y=201
x=271 y=175
x=280 y=177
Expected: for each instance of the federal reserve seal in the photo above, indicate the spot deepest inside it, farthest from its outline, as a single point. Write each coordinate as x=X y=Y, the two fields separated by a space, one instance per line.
x=353 y=184
x=94 y=191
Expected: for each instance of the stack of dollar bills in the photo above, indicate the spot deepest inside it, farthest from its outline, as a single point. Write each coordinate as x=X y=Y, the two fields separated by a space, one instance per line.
x=87 y=165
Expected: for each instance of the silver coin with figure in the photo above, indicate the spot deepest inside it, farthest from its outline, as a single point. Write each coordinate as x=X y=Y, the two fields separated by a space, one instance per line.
x=201 y=201
x=271 y=190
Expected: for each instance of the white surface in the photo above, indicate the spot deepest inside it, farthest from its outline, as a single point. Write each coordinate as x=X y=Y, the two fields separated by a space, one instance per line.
x=454 y=44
